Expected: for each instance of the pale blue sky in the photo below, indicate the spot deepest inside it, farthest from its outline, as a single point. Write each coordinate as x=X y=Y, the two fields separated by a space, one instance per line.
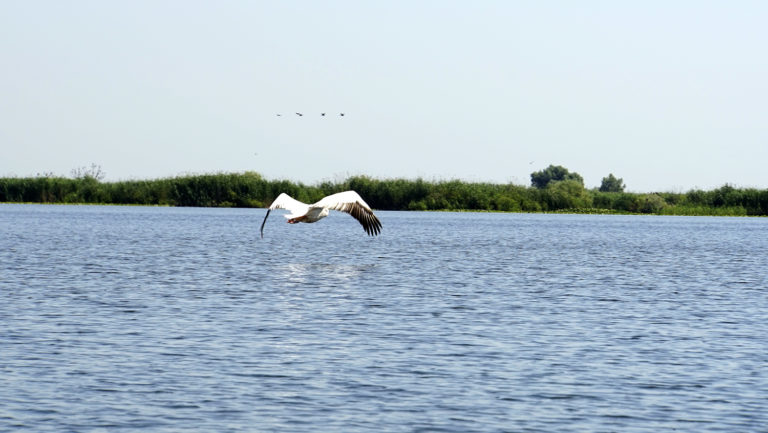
x=669 y=95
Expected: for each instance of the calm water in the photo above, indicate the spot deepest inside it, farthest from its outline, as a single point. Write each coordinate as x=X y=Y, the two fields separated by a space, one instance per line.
x=183 y=319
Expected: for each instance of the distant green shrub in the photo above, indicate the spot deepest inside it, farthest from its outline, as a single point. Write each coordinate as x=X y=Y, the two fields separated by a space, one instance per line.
x=649 y=203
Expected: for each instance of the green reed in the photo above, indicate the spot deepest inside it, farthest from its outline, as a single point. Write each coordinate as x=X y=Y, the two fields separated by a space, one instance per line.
x=250 y=189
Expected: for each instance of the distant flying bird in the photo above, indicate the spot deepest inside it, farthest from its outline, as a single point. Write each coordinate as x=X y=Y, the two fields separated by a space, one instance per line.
x=278 y=114
x=322 y=114
x=347 y=201
x=341 y=114
x=299 y=114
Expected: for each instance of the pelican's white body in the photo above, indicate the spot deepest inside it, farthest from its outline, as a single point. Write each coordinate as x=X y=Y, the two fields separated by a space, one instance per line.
x=314 y=214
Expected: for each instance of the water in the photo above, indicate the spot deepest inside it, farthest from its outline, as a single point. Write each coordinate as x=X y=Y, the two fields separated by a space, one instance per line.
x=183 y=319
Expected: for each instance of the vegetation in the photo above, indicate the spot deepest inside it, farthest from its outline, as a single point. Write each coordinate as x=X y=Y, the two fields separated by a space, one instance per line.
x=553 y=173
x=612 y=184
x=251 y=190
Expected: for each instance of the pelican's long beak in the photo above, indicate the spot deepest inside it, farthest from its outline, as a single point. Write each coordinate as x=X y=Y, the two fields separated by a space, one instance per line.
x=264 y=222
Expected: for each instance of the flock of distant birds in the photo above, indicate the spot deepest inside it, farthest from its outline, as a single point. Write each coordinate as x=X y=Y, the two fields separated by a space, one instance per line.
x=302 y=114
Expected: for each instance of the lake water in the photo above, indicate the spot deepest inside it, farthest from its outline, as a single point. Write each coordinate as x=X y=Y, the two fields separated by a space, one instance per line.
x=183 y=319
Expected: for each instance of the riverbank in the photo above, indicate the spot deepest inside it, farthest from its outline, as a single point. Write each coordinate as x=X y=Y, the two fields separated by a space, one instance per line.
x=251 y=190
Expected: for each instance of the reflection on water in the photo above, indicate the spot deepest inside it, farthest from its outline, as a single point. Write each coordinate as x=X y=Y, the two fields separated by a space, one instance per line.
x=320 y=273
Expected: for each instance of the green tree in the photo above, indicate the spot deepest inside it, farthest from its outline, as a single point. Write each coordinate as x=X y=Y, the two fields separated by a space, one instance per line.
x=553 y=173
x=612 y=184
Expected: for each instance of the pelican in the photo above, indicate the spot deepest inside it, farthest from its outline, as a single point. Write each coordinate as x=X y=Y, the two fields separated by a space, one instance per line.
x=347 y=201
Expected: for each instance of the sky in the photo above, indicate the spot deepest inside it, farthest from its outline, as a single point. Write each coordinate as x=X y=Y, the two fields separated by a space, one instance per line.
x=667 y=95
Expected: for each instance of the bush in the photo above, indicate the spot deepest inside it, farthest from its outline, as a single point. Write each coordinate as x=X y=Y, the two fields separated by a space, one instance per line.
x=649 y=203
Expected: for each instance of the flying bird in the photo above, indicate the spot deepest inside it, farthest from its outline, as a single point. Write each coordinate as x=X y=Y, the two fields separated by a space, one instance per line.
x=299 y=114
x=322 y=114
x=347 y=201
x=341 y=114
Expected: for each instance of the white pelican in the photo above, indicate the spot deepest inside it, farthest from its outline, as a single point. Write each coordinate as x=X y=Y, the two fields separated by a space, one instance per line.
x=347 y=201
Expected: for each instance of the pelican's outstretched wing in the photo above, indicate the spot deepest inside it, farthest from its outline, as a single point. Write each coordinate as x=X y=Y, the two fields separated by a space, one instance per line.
x=284 y=201
x=351 y=203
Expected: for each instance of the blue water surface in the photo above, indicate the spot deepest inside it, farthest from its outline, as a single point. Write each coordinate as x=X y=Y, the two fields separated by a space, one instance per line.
x=184 y=319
